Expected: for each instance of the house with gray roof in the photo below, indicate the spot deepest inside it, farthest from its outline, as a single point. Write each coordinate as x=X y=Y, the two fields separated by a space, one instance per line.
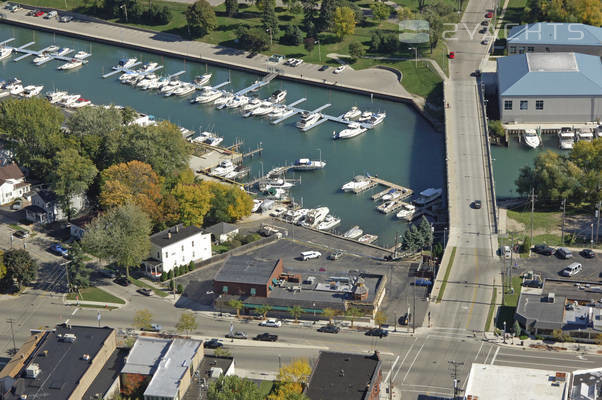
x=549 y=88
x=222 y=232
x=555 y=37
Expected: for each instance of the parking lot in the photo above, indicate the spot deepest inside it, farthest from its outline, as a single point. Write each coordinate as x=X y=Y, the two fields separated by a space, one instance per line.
x=550 y=266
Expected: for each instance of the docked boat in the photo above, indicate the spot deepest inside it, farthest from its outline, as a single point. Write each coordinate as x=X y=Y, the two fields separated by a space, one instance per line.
x=256 y=204
x=278 y=96
x=353 y=113
x=367 y=238
x=144 y=120
x=427 y=196
x=129 y=77
x=305 y=164
x=365 y=116
x=147 y=83
x=63 y=51
x=314 y=217
x=353 y=233
x=377 y=119
x=80 y=55
x=71 y=65
x=329 y=222
x=237 y=101
x=41 y=59
x=223 y=100
x=56 y=96
x=81 y=102
x=389 y=206
x=264 y=109
x=5 y=52
x=531 y=138
x=125 y=63
x=52 y=49
x=275 y=182
x=358 y=184
x=184 y=89
x=202 y=79
x=31 y=90
x=278 y=112
x=208 y=95
x=353 y=129
x=276 y=194
x=16 y=89
x=566 y=137
x=170 y=87
x=308 y=119
x=392 y=194
x=208 y=138
x=68 y=99
x=148 y=67
x=252 y=104
x=224 y=168
x=407 y=212
x=585 y=134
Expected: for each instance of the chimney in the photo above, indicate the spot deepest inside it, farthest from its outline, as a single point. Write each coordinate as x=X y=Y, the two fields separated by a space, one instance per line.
x=177 y=228
x=169 y=235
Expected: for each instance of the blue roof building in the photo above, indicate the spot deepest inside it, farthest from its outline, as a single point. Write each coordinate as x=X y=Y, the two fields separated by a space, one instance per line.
x=550 y=37
x=550 y=87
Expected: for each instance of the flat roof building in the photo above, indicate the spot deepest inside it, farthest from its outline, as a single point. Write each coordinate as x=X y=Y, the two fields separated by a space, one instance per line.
x=554 y=37
x=243 y=275
x=586 y=384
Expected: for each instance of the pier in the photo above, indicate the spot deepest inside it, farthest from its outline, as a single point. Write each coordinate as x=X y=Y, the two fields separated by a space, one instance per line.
x=27 y=52
x=129 y=70
x=253 y=153
x=257 y=85
x=407 y=191
x=291 y=112
x=220 y=85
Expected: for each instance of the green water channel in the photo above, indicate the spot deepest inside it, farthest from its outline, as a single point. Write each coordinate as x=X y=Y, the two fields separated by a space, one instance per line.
x=405 y=149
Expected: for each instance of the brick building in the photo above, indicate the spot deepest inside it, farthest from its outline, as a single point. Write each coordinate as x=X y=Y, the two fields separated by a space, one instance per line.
x=243 y=275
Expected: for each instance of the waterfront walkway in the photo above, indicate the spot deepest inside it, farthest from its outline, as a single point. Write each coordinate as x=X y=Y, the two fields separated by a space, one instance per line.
x=376 y=81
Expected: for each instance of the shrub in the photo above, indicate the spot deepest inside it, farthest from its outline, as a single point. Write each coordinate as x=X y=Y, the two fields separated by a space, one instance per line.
x=527 y=244
x=357 y=50
x=496 y=128
x=163 y=277
x=179 y=288
x=539 y=337
x=176 y=271
x=191 y=266
x=170 y=274
x=523 y=337
x=171 y=285
x=292 y=35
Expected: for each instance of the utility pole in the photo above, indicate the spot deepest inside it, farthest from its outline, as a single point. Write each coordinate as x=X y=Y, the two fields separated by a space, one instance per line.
x=11 y=321
x=67 y=275
x=532 y=209
x=454 y=374
x=597 y=214
x=562 y=229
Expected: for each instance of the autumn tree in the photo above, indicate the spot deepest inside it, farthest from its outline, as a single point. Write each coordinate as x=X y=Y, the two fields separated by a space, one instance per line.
x=329 y=313
x=187 y=323
x=380 y=319
x=264 y=309
x=344 y=22
x=228 y=204
x=590 y=12
x=193 y=202
x=143 y=319
x=20 y=267
x=380 y=11
x=292 y=378
x=237 y=305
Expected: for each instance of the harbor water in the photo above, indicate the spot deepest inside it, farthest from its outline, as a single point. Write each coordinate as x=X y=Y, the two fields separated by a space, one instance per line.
x=405 y=149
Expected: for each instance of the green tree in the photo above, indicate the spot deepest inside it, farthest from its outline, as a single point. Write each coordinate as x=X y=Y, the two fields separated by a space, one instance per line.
x=380 y=319
x=231 y=7
x=93 y=126
x=292 y=35
x=163 y=276
x=170 y=274
x=344 y=22
x=426 y=231
x=357 y=50
x=253 y=39
x=191 y=266
x=264 y=309
x=2 y=266
x=435 y=28
x=325 y=20
x=187 y=323
x=353 y=313
x=329 y=313
x=201 y=18
x=221 y=352
x=295 y=312
x=179 y=288
x=233 y=388
x=309 y=15
x=79 y=273
x=517 y=328
x=496 y=128
x=71 y=176
x=120 y=235
x=20 y=267
x=380 y=11
x=143 y=319
x=237 y=305
x=268 y=16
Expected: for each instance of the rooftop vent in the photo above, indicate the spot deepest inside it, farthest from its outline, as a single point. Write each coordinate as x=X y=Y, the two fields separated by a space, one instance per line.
x=32 y=371
x=342 y=372
x=86 y=357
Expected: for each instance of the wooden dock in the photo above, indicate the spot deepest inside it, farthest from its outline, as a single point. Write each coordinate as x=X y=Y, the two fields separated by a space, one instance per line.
x=253 y=153
x=394 y=206
x=407 y=191
x=367 y=187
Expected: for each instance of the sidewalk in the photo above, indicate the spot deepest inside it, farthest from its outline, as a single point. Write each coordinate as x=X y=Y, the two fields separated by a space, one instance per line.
x=541 y=345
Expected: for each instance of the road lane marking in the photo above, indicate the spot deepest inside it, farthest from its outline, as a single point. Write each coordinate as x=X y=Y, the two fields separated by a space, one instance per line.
x=546 y=358
x=426 y=386
x=404 y=359
x=415 y=358
x=555 y=366
x=428 y=392
x=494 y=356
x=74 y=311
x=478 y=352
x=474 y=292
x=487 y=356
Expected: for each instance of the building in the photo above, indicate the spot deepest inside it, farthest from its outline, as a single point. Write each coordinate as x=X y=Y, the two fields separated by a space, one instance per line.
x=586 y=384
x=554 y=37
x=496 y=382
x=78 y=225
x=12 y=184
x=549 y=88
x=162 y=367
x=241 y=275
x=175 y=246
x=60 y=364
x=211 y=368
x=45 y=207
x=222 y=232
x=345 y=376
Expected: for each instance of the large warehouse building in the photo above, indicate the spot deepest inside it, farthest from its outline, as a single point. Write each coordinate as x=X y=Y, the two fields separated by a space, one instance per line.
x=554 y=37
x=549 y=88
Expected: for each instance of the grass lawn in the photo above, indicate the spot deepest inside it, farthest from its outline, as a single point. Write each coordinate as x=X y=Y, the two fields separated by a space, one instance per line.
x=491 y=309
x=96 y=294
x=547 y=221
x=447 y=272
x=141 y=284
x=508 y=307
x=511 y=300
x=97 y=306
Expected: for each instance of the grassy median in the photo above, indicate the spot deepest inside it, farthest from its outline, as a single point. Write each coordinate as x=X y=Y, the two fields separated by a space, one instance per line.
x=446 y=277
x=95 y=294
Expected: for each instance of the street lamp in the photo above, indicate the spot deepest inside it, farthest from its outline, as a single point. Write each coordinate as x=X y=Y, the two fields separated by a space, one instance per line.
x=319 y=50
x=314 y=307
x=416 y=52
x=504 y=332
x=270 y=30
x=220 y=304
x=125 y=10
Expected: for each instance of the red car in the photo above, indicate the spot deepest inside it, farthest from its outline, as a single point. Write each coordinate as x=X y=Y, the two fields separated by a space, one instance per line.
x=489 y=15
x=452 y=54
x=39 y=13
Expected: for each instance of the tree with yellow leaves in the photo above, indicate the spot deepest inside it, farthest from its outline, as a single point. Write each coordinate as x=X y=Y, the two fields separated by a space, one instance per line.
x=292 y=379
x=194 y=202
x=344 y=22
x=590 y=12
x=228 y=203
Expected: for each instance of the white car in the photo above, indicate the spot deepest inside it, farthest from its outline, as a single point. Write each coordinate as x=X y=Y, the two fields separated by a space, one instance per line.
x=339 y=69
x=272 y=323
x=507 y=252
x=308 y=255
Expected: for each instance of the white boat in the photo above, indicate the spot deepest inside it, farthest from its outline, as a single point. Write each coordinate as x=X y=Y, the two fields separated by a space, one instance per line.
x=224 y=168
x=264 y=109
x=377 y=119
x=585 y=134
x=144 y=120
x=81 y=102
x=31 y=90
x=407 y=212
x=146 y=83
x=278 y=112
x=275 y=182
x=63 y=51
x=305 y=164
x=353 y=233
x=208 y=138
x=52 y=49
x=278 y=96
x=256 y=204
x=71 y=65
x=314 y=217
x=308 y=119
x=358 y=184
x=329 y=222
x=237 y=101
x=531 y=138
x=427 y=196
x=221 y=101
x=252 y=104
x=294 y=216
x=148 y=67
x=170 y=87
x=125 y=63
x=566 y=137
x=56 y=96
x=209 y=95
x=184 y=89
x=365 y=116
x=5 y=52
x=41 y=59
x=68 y=99
x=392 y=194
x=367 y=238
x=128 y=77
x=353 y=113
x=202 y=79
x=16 y=89
x=80 y=55
x=353 y=129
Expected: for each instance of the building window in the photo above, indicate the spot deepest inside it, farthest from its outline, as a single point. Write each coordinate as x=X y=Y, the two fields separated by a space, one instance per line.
x=507 y=104
x=512 y=49
x=521 y=50
x=524 y=104
x=182 y=247
x=539 y=104
x=253 y=291
x=530 y=49
x=547 y=50
x=166 y=254
x=193 y=243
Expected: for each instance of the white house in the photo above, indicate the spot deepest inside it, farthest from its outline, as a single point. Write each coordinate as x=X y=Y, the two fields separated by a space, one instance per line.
x=45 y=208
x=12 y=183
x=222 y=232
x=175 y=246
x=78 y=225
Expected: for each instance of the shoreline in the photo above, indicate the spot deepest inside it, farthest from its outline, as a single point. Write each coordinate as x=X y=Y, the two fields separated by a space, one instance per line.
x=48 y=26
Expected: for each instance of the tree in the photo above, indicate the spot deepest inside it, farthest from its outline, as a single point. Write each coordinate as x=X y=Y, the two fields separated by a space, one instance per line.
x=295 y=312
x=353 y=313
x=344 y=22
x=435 y=28
x=2 y=266
x=329 y=313
x=228 y=203
x=253 y=39
x=589 y=12
x=527 y=244
x=264 y=309
x=221 y=352
x=309 y=15
x=404 y=13
x=194 y=202
x=309 y=44
x=233 y=388
x=292 y=378
x=79 y=273
x=292 y=35
x=496 y=127
x=237 y=305
x=20 y=267
x=380 y=11
x=92 y=126
x=380 y=318
x=201 y=18
x=143 y=319
x=120 y=235
x=268 y=16
x=231 y=7
x=187 y=323
x=517 y=328
x=357 y=50
x=327 y=10
x=71 y=176
x=426 y=231
x=163 y=276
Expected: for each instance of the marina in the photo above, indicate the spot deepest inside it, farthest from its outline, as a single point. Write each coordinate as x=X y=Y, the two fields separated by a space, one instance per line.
x=50 y=53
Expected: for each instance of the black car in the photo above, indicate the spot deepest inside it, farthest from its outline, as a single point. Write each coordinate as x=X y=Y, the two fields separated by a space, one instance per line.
x=377 y=332
x=266 y=337
x=213 y=344
x=145 y=291
x=323 y=68
x=476 y=204
x=329 y=329
x=21 y=234
x=236 y=335
x=544 y=249
x=588 y=253
x=405 y=319
x=122 y=280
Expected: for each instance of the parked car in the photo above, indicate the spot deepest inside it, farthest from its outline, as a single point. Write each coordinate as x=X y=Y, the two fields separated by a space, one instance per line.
x=329 y=329
x=66 y=18
x=237 y=335
x=423 y=282
x=213 y=344
x=272 y=323
x=323 y=68
x=489 y=15
x=485 y=42
x=145 y=291
x=483 y=30
x=21 y=234
x=533 y=283
x=564 y=253
x=155 y=328
x=572 y=269
x=266 y=337
x=38 y=13
x=377 y=332
x=17 y=205
x=544 y=249
x=59 y=250
x=452 y=54
x=335 y=255
x=308 y=255
x=107 y=273
x=122 y=280
x=405 y=319
x=476 y=204
x=588 y=253
x=13 y=7
x=506 y=252
x=51 y=14
x=485 y=23
x=339 y=69
x=276 y=58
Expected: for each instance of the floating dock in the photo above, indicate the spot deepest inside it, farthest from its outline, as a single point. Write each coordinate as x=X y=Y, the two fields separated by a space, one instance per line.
x=27 y=52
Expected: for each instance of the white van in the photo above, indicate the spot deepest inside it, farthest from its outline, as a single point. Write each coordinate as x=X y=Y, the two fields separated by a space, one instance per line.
x=572 y=269
x=308 y=255
x=51 y=14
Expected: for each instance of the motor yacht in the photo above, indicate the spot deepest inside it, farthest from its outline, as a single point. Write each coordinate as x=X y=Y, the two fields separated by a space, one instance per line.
x=221 y=101
x=63 y=51
x=358 y=184
x=224 y=168
x=16 y=89
x=407 y=212
x=148 y=67
x=353 y=233
x=353 y=113
x=52 y=49
x=427 y=196
x=392 y=194
x=128 y=77
x=531 y=138
x=56 y=96
x=278 y=96
x=146 y=83
x=80 y=55
x=251 y=105
x=275 y=182
x=265 y=108
x=237 y=101
x=71 y=65
x=170 y=87
x=208 y=96
x=5 y=52
x=308 y=120
x=31 y=90
x=294 y=216
x=315 y=216
x=41 y=59
x=278 y=112
x=365 y=116
x=328 y=223
x=305 y=164
x=377 y=119
x=367 y=238
x=81 y=102
x=125 y=63
x=184 y=90
x=68 y=99
x=353 y=129
x=585 y=134
x=566 y=137
x=202 y=79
